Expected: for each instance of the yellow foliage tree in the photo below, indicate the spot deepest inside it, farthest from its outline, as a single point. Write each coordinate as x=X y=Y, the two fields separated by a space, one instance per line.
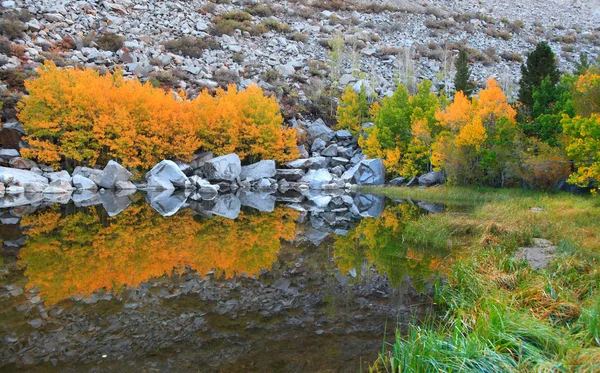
x=81 y=117
x=479 y=133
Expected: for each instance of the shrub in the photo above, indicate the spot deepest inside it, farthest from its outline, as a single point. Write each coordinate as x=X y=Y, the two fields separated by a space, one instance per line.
x=191 y=46
x=12 y=28
x=274 y=25
x=511 y=56
x=238 y=58
x=260 y=10
x=238 y=16
x=80 y=117
x=298 y=36
x=225 y=77
x=223 y=26
x=110 y=41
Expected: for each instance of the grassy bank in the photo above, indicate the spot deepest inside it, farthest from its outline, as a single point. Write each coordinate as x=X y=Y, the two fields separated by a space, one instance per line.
x=499 y=314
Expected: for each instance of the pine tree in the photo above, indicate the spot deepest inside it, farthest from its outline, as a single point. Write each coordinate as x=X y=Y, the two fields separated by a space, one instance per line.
x=541 y=63
x=462 y=80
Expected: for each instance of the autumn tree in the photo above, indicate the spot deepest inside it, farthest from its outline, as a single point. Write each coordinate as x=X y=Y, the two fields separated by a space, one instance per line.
x=79 y=117
x=353 y=110
x=541 y=63
x=478 y=141
x=462 y=79
x=396 y=120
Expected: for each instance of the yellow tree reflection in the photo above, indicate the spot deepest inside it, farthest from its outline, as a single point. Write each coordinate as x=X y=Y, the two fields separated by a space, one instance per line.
x=381 y=242
x=84 y=252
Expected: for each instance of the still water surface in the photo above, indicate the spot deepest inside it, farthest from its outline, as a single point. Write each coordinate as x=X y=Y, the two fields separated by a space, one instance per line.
x=239 y=283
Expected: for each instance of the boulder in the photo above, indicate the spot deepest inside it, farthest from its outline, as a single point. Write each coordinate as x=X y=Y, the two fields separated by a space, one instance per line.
x=83 y=183
x=197 y=181
x=343 y=134
x=289 y=175
x=112 y=173
x=318 y=129
x=157 y=183
x=399 y=181
x=330 y=151
x=200 y=159
x=7 y=154
x=10 y=135
x=413 y=182
x=299 y=163
x=125 y=185
x=318 y=163
x=368 y=205
x=34 y=187
x=366 y=172
x=168 y=170
x=91 y=173
x=303 y=152
x=14 y=189
x=317 y=178
x=22 y=177
x=85 y=198
x=318 y=145
x=258 y=170
x=226 y=167
x=432 y=178
x=59 y=175
x=62 y=184
x=22 y=163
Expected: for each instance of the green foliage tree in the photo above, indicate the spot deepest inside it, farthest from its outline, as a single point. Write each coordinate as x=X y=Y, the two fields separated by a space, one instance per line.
x=462 y=80
x=541 y=63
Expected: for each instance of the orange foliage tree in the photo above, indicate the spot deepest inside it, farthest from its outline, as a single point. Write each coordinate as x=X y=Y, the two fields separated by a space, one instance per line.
x=81 y=117
x=84 y=252
x=479 y=138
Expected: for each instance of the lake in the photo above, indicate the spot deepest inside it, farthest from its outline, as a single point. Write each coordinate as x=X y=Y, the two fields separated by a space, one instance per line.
x=109 y=282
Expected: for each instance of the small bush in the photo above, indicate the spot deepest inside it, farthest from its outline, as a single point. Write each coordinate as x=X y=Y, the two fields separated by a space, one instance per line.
x=222 y=26
x=569 y=39
x=12 y=28
x=259 y=10
x=332 y=5
x=440 y=24
x=511 y=56
x=238 y=58
x=191 y=46
x=274 y=25
x=110 y=41
x=238 y=16
x=300 y=37
x=516 y=26
x=271 y=76
x=225 y=77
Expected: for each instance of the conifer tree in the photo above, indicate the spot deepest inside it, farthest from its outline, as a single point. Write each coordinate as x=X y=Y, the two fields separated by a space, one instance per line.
x=462 y=80
x=541 y=63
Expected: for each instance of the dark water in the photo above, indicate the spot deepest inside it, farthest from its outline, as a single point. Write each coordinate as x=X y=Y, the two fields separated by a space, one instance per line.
x=246 y=282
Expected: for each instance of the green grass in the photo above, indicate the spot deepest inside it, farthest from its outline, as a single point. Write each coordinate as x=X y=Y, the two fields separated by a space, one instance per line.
x=497 y=314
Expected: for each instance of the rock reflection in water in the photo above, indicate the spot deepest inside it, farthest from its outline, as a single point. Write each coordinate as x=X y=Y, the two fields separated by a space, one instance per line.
x=142 y=289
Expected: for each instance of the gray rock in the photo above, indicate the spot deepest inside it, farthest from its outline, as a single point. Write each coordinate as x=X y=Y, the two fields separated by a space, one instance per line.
x=399 y=181
x=317 y=163
x=414 y=182
x=289 y=175
x=200 y=159
x=318 y=145
x=319 y=129
x=258 y=170
x=367 y=172
x=168 y=170
x=125 y=185
x=299 y=163
x=303 y=152
x=330 y=151
x=368 y=205
x=85 y=198
x=432 y=178
x=22 y=163
x=112 y=173
x=158 y=183
x=7 y=154
x=317 y=178
x=83 y=183
x=226 y=167
x=343 y=134
x=34 y=187
x=59 y=175
x=20 y=176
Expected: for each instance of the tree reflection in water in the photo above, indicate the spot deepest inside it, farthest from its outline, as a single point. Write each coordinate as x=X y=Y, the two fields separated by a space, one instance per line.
x=76 y=254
